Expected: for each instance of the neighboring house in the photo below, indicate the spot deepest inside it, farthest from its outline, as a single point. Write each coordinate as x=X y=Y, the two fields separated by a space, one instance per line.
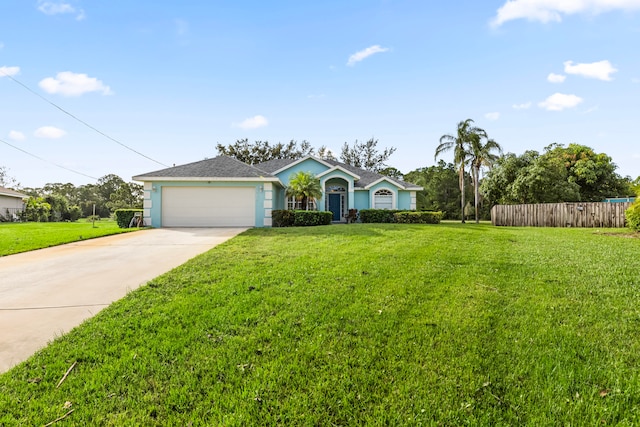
x=223 y=191
x=11 y=203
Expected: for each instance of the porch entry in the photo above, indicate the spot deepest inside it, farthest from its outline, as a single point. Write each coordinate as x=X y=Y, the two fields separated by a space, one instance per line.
x=335 y=205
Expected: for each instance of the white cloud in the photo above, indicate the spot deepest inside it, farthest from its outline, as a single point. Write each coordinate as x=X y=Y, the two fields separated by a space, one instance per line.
x=556 y=78
x=72 y=84
x=16 y=135
x=553 y=10
x=492 y=116
x=600 y=70
x=9 y=71
x=49 y=132
x=560 y=101
x=252 y=122
x=634 y=80
x=521 y=106
x=53 y=8
x=365 y=53
x=1 y=45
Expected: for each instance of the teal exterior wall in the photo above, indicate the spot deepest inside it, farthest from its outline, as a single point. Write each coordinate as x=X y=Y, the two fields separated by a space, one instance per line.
x=361 y=200
x=278 y=197
x=404 y=200
x=308 y=165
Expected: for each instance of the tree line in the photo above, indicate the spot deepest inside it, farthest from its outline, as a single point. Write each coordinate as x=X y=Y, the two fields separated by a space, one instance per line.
x=66 y=202
x=560 y=174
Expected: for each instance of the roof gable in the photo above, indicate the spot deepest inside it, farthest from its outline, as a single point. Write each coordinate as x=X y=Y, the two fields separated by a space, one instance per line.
x=225 y=168
x=340 y=168
x=277 y=166
x=368 y=178
x=385 y=179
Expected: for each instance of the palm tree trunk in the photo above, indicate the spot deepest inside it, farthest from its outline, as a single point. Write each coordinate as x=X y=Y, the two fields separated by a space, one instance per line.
x=476 y=185
x=462 y=190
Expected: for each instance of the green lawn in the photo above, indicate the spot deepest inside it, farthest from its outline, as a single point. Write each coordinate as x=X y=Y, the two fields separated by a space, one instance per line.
x=27 y=236
x=359 y=325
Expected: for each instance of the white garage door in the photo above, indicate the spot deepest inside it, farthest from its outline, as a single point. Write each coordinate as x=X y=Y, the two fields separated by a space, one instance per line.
x=208 y=207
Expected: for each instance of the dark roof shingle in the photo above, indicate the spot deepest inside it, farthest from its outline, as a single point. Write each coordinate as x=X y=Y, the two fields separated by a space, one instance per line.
x=229 y=167
x=217 y=167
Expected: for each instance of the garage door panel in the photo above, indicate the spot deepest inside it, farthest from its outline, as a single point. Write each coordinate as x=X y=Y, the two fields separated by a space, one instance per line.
x=208 y=206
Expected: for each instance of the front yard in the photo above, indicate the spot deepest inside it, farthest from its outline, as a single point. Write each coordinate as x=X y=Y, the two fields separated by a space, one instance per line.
x=365 y=324
x=23 y=237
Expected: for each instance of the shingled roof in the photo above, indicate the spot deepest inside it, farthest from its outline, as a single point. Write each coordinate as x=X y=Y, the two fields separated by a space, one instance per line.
x=225 y=167
x=366 y=177
x=11 y=193
x=215 y=168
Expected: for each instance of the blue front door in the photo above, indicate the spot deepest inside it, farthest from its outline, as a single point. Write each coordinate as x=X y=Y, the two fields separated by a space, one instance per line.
x=334 y=206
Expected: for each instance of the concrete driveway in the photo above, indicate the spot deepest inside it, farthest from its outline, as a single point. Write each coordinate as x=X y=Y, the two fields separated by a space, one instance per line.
x=46 y=293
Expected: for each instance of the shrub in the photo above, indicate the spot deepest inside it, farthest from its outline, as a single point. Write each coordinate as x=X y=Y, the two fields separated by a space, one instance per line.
x=74 y=213
x=310 y=218
x=632 y=215
x=378 y=215
x=289 y=218
x=410 y=217
x=124 y=216
x=282 y=218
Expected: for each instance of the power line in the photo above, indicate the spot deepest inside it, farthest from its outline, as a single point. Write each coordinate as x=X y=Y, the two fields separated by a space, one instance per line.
x=47 y=161
x=80 y=120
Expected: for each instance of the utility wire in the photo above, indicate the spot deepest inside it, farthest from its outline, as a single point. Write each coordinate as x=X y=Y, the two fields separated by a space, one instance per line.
x=80 y=120
x=47 y=161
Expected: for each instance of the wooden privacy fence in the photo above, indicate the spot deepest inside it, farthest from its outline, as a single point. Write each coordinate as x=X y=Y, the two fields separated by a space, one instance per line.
x=597 y=214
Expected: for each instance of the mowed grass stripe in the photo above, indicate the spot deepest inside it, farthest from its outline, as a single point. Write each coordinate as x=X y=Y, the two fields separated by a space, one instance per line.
x=29 y=236
x=359 y=325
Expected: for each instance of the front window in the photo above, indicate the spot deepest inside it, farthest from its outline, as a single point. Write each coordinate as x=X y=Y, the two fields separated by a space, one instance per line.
x=293 y=204
x=383 y=199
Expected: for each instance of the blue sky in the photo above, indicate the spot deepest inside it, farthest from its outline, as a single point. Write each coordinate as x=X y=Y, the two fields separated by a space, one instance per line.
x=172 y=79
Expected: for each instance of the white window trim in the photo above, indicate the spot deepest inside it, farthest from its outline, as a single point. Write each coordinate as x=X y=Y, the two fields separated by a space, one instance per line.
x=394 y=197
x=292 y=204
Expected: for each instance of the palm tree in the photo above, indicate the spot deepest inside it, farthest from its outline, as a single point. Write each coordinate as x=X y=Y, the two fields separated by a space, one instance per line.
x=481 y=155
x=304 y=186
x=460 y=143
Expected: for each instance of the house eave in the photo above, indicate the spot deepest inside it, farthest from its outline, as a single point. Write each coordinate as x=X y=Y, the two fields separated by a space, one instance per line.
x=341 y=169
x=384 y=178
x=204 y=179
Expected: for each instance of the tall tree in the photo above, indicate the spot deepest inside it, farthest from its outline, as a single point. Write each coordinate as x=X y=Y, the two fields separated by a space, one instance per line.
x=262 y=151
x=127 y=196
x=529 y=178
x=481 y=155
x=6 y=180
x=304 y=186
x=460 y=143
x=593 y=172
x=560 y=174
x=366 y=155
x=441 y=189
